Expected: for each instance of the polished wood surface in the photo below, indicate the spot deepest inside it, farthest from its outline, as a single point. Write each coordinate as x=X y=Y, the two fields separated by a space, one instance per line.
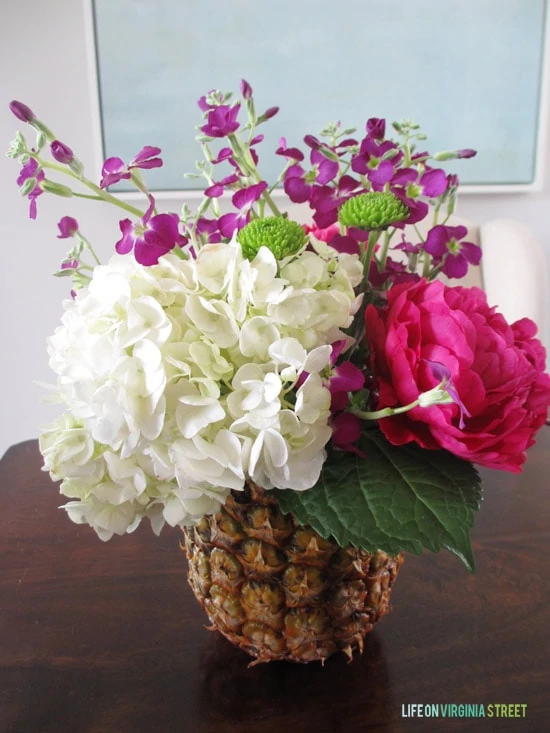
x=107 y=637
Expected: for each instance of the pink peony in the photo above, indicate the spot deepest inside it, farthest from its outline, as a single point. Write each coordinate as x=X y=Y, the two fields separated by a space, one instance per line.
x=497 y=370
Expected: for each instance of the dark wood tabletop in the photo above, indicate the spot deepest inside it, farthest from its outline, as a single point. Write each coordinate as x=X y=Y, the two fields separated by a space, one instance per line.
x=107 y=638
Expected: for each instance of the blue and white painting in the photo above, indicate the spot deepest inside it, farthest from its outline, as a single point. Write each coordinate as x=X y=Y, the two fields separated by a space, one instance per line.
x=468 y=71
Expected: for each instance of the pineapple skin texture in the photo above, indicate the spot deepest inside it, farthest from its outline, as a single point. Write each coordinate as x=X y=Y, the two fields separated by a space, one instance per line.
x=280 y=591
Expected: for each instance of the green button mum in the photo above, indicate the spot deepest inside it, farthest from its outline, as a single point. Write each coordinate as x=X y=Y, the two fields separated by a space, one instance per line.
x=282 y=236
x=373 y=210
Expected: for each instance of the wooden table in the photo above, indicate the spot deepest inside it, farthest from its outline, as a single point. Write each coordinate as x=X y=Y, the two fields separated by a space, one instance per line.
x=107 y=638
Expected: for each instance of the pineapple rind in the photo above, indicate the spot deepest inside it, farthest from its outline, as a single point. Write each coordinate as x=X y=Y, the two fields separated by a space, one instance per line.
x=279 y=590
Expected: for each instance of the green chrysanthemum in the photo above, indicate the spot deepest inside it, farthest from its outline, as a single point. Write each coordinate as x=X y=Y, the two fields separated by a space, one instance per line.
x=373 y=210
x=282 y=236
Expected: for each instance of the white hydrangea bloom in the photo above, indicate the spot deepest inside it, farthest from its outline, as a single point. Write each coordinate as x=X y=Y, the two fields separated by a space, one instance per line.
x=183 y=379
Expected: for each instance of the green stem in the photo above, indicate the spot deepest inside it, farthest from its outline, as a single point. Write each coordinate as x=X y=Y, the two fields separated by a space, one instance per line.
x=87 y=196
x=242 y=154
x=369 y=251
x=385 y=248
x=386 y=412
x=100 y=193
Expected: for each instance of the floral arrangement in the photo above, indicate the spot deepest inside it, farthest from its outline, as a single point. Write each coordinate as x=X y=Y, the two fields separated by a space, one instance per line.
x=325 y=364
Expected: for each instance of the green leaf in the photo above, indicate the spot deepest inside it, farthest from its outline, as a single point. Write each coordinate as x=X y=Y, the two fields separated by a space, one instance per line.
x=398 y=498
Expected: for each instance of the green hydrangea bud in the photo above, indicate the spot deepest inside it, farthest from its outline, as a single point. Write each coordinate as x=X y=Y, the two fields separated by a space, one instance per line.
x=373 y=210
x=282 y=236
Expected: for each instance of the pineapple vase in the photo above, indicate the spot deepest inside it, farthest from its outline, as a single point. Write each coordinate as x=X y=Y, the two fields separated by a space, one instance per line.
x=279 y=590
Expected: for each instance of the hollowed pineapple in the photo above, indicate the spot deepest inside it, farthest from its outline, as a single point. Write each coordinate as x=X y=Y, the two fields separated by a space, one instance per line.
x=279 y=590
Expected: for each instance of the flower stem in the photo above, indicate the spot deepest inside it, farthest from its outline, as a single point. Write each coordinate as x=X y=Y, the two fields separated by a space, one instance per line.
x=100 y=193
x=385 y=412
x=244 y=159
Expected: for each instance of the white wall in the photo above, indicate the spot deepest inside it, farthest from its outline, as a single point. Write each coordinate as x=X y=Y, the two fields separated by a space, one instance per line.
x=43 y=62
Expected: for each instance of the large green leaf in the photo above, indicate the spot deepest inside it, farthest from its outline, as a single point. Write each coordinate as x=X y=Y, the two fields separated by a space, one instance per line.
x=396 y=499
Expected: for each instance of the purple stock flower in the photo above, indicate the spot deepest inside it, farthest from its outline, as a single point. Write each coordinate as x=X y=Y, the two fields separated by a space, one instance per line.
x=346 y=377
x=207 y=231
x=292 y=153
x=326 y=200
x=21 y=111
x=69 y=264
x=325 y=169
x=29 y=171
x=151 y=237
x=312 y=142
x=61 y=152
x=298 y=184
x=224 y=154
x=432 y=183
x=394 y=272
x=217 y=188
x=243 y=200
x=466 y=153
x=369 y=162
x=205 y=106
x=444 y=246
x=221 y=121
x=115 y=170
x=67 y=227
x=442 y=374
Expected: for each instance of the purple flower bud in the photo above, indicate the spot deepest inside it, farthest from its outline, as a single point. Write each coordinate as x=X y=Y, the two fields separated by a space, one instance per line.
x=61 y=152
x=466 y=153
x=269 y=113
x=246 y=89
x=21 y=111
x=376 y=128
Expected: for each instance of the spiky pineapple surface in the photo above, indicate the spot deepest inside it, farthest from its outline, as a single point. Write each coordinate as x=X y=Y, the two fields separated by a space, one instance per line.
x=281 y=591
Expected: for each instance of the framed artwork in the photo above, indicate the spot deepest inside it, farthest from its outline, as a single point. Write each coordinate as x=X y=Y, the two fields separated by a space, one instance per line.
x=472 y=73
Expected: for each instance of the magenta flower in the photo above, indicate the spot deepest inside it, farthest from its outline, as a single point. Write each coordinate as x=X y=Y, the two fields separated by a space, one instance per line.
x=69 y=264
x=432 y=183
x=346 y=430
x=207 y=231
x=313 y=142
x=326 y=200
x=444 y=244
x=21 y=111
x=115 y=170
x=28 y=172
x=67 y=227
x=217 y=188
x=221 y=121
x=224 y=154
x=243 y=200
x=292 y=153
x=443 y=376
x=394 y=272
x=370 y=162
x=151 y=237
x=296 y=185
x=346 y=377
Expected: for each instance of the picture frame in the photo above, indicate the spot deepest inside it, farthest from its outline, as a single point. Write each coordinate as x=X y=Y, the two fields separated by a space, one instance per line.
x=153 y=101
